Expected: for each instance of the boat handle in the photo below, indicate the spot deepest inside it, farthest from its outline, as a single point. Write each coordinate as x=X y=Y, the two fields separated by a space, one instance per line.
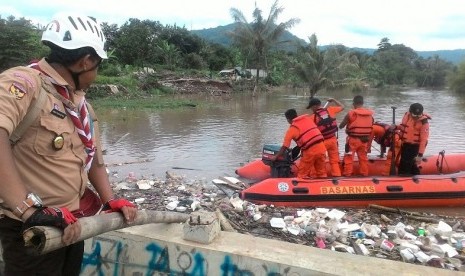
x=300 y=190
x=394 y=188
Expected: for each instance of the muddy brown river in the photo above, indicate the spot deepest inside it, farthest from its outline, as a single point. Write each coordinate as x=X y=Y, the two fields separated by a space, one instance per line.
x=215 y=139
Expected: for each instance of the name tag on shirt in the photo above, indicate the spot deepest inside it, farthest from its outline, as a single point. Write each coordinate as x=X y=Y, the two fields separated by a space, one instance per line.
x=58 y=113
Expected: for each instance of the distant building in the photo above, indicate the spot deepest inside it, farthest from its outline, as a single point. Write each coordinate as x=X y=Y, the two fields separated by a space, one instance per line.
x=229 y=73
x=234 y=74
x=237 y=73
x=261 y=73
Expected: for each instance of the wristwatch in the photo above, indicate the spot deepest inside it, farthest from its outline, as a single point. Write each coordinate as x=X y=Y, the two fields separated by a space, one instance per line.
x=32 y=200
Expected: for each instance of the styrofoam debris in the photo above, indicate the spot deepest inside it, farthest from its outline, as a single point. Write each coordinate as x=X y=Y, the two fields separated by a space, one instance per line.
x=422 y=257
x=407 y=255
x=172 y=205
x=370 y=230
x=444 y=227
x=293 y=229
x=143 y=184
x=364 y=249
x=335 y=214
x=237 y=203
x=351 y=227
x=277 y=223
x=322 y=210
x=181 y=208
x=195 y=205
x=139 y=200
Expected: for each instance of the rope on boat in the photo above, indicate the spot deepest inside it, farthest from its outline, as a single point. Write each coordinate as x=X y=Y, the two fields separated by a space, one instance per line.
x=439 y=165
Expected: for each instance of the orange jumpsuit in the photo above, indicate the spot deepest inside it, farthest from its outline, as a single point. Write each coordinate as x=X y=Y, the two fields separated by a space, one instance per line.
x=414 y=135
x=358 y=129
x=329 y=134
x=307 y=136
x=385 y=140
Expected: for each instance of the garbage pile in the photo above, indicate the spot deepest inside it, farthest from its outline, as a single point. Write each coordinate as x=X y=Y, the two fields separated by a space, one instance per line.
x=419 y=238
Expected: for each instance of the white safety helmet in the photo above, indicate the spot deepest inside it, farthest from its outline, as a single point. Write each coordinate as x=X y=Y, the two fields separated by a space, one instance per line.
x=70 y=31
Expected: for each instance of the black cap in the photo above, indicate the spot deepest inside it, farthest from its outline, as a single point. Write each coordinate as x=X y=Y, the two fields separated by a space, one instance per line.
x=416 y=109
x=313 y=102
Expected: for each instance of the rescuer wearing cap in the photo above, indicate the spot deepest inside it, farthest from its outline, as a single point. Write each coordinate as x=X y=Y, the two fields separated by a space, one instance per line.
x=325 y=119
x=414 y=134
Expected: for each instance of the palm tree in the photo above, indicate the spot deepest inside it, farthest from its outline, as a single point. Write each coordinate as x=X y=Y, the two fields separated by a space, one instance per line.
x=170 y=53
x=313 y=67
x=259 y=36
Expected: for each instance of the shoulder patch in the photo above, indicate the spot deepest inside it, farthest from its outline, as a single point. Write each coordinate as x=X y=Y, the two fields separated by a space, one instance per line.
x=17 y=90
x=25 y=77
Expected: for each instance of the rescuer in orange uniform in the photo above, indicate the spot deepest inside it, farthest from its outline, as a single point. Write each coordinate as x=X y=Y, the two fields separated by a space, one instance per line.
x=382 y=134
x=358 y=123
x=325 y=119
x=414 y=130
x=308 y=137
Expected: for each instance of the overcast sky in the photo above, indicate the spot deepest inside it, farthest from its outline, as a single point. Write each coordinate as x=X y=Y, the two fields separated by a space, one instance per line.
x=420 y=24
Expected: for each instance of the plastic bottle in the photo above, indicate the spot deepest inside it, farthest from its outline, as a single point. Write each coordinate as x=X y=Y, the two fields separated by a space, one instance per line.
x=421 y=232
x=358 y=234
x=460 y=244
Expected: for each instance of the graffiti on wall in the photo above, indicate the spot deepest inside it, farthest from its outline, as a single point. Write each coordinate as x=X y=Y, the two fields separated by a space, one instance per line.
x=112 y=257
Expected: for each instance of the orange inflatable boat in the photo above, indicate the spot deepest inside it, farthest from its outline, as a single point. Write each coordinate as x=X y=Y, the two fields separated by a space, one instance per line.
x=442 y=163
x=394 y=191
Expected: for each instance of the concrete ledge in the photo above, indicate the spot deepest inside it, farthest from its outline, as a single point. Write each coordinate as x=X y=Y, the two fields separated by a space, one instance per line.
x=159 y=249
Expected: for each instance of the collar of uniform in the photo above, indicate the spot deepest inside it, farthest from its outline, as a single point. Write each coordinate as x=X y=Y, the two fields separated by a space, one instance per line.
x=48 y=69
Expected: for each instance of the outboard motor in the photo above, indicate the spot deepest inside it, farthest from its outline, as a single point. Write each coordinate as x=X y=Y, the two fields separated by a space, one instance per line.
x=282 y=166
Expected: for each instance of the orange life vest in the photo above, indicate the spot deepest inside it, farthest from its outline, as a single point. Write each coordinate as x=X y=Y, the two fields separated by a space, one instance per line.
x=410 y=128
x=309 y=132
x=362 y=124
x=384 y=140
x=325 y=123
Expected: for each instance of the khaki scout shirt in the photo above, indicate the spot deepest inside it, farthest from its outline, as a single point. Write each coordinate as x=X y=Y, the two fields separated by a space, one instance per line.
x=56 y=176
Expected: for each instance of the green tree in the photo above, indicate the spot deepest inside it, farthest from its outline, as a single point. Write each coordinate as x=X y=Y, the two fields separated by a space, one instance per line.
x=396 y=61
x=19 y=42
x=313 y=66
x=180 y=37
x=218 y=57
x=384 y=44
x=259 y=36
x=136 y=42
x=432 y=72
x=111 y=33
x=169 y=52
x=456 y=78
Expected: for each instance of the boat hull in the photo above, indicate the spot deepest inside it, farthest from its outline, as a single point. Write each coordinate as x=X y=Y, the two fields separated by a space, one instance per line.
x=442 y=163
x=392 y=191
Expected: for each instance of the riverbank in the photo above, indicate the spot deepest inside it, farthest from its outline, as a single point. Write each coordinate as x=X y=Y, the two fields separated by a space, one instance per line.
x=400 y=235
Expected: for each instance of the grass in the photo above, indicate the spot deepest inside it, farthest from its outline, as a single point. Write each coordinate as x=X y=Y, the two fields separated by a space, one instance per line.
x=155 y=102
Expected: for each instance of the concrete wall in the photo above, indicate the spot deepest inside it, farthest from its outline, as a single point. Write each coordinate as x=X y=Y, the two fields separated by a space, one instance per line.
x=159 y=249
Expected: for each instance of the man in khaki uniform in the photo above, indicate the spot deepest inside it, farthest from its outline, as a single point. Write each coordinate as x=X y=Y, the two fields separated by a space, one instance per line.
x=44 y=175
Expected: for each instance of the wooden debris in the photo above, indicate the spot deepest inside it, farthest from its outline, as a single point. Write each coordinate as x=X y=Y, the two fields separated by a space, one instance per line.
x=385 y=219
x=219 y=181
x=224 y=222
x=232 y=183
x=129 y=162
x=411 y=215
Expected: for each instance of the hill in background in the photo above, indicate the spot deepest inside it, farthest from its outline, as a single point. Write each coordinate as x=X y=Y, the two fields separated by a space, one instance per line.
x=219 y=35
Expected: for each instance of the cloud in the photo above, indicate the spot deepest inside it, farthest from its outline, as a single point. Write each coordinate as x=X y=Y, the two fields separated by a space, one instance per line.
x=421 y=25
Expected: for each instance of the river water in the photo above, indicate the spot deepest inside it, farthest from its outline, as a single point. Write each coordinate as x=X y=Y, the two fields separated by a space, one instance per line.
x=215 y=139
